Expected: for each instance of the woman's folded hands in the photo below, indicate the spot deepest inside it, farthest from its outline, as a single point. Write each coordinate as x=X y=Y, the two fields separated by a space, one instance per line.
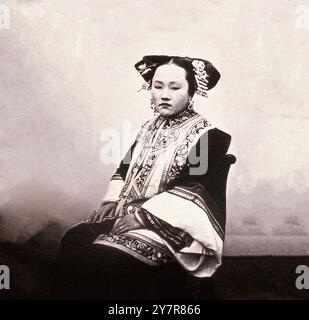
x=127 y=223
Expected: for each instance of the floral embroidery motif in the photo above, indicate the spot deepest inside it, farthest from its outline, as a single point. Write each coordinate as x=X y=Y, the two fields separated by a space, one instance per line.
x=181 y=119
x=151 y=252
x=200 y=77
x=169 y=134
x=166 y=137
x=131 y=207
x=183 y=150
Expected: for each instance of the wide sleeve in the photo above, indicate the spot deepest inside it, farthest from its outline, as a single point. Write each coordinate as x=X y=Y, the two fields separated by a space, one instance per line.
x=116 y=182
x=187 y=217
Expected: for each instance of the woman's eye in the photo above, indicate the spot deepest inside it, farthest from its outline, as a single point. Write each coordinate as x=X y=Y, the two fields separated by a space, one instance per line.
x=175 y=88
x=158 y=87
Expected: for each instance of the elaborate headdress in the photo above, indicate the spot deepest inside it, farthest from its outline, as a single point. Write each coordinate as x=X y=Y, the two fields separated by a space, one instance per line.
x=205 y=74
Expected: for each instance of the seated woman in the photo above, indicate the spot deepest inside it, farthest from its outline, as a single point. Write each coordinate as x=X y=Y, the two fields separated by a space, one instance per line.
x=158 y=224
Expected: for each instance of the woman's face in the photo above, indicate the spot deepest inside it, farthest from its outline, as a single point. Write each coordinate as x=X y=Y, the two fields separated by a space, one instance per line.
x=170 y=90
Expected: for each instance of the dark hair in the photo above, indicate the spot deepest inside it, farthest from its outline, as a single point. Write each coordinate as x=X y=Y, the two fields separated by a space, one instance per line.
x=185 y=64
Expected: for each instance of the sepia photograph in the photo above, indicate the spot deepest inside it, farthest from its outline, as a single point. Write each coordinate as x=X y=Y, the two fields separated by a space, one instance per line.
x=154 y=150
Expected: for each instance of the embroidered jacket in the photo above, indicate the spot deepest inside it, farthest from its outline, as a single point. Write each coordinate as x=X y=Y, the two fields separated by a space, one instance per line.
x=165 y=179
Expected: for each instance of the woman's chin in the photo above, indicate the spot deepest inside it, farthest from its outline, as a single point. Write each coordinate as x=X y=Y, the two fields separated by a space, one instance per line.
x=166 y=113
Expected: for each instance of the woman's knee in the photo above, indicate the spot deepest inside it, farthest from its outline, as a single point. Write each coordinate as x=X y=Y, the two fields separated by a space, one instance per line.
x=72 y=235
x=76 y=238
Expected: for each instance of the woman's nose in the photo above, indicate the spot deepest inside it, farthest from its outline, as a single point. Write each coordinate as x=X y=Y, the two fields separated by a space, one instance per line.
x=165 y=94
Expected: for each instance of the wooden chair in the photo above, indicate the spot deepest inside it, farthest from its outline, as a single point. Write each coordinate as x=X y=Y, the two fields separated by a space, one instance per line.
x=203 y=288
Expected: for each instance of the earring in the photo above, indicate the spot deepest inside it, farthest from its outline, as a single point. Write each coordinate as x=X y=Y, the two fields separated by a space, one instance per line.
x=152 y=106
x=191 y=104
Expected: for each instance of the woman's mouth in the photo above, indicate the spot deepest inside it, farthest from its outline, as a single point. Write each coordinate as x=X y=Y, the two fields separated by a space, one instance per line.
x=165 y=105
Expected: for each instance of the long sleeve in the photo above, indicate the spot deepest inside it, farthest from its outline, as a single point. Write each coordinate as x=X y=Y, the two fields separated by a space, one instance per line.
x=116 y=182
x=176 y=237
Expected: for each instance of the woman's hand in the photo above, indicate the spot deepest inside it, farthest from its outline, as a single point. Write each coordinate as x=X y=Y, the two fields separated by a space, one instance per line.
x=106 y=209
x=127 y=223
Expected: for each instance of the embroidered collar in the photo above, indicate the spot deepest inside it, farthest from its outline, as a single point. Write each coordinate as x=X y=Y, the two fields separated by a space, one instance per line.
x=179 y=118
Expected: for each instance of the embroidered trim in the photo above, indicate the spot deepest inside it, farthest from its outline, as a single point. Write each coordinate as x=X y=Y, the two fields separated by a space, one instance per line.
x=176 y=237
x=155 y=253
x=183 y=150
x=196 y=199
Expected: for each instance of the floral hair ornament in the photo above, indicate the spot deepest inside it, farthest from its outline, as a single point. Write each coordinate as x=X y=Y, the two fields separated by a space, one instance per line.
x=205 y=74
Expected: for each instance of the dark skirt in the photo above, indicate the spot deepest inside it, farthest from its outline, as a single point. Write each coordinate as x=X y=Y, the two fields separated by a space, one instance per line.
x=102 y=272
